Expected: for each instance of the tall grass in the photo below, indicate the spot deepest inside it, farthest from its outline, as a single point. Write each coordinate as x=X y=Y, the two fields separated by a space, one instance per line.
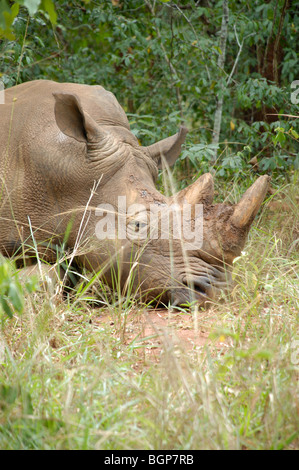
x=69 y=380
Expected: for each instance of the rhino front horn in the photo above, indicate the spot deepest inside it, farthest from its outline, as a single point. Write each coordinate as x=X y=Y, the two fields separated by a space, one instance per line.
x=248 y=207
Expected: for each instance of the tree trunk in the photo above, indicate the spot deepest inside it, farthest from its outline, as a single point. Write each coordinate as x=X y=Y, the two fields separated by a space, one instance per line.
x=220 y=63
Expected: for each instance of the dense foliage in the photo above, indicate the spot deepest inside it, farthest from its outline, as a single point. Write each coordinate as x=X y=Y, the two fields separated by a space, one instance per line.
x=160 y=58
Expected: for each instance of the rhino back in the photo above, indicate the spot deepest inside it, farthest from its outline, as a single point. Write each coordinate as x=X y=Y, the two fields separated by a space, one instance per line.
x=37 y=161
x=34 y=100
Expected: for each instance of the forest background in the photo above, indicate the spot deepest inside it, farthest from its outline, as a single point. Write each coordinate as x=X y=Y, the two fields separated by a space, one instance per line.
x=228 y=70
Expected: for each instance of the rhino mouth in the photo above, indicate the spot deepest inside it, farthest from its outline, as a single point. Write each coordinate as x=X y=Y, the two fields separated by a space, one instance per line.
x=201 y=288
x=184 y=296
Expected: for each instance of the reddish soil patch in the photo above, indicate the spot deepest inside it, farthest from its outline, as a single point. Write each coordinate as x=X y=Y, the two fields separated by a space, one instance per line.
x=152 y=333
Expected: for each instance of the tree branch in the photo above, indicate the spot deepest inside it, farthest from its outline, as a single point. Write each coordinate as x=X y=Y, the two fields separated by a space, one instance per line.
x=239 y=53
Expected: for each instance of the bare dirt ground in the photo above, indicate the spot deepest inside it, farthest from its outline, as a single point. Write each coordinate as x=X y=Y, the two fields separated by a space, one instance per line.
x=154 y=332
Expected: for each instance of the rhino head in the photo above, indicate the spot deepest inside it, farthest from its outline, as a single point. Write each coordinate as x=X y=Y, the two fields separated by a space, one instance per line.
x=65 y=140
x=172 y=267
x=131 y=244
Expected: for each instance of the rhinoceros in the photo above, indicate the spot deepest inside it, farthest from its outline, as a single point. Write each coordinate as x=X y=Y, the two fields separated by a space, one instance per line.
x=66 y=151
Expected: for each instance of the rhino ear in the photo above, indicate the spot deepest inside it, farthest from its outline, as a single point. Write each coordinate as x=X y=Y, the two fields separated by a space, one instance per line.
x=72 y=120
x=168 y=149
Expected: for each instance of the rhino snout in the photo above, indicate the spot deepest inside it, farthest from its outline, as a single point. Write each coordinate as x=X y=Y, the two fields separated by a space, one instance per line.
x=200 y=289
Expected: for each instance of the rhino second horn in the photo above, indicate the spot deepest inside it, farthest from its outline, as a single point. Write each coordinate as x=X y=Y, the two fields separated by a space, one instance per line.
x=248 y=207
x=169 y=148
x=199 y=192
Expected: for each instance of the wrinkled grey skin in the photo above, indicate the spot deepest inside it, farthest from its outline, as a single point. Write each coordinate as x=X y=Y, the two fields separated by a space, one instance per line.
x=57 y=140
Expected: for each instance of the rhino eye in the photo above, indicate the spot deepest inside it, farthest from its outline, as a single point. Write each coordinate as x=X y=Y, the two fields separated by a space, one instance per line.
x=139 y=225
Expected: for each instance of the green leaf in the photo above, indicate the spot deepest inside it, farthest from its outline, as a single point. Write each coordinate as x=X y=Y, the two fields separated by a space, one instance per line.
x=7 y=309
x=15 y=297
x=48 y=6
x=15 y=10
x=7 y=15
x=4 y=10
x=294 y=134
x=264 y=354
x=31 y=5
x=218 y=49
x=8 y=393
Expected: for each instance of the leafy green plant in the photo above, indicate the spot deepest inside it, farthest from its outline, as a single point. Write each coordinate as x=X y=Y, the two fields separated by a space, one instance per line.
x=9 y=13
x=160 y=59
x=11 y=290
